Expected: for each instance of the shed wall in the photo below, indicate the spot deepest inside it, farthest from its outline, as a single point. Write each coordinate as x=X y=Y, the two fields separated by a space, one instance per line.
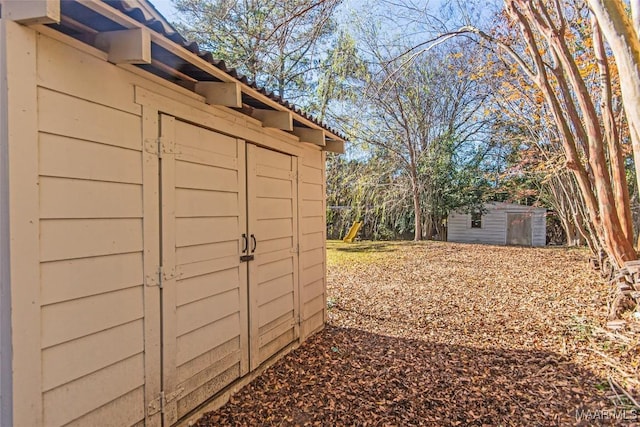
x=92 y=304
x=539 y=229
x=91 y=228
x=312 y=244
x=494 y=225
x=493 y=230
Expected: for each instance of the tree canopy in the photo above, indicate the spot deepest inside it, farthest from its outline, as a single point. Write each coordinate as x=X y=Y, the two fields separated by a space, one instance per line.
x=448 y=105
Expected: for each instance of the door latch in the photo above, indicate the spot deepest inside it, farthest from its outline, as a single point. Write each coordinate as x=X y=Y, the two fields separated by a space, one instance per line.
x=245 y=258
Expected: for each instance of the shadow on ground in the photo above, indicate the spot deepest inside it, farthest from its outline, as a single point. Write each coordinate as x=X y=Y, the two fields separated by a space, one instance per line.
x=363 y=247
x=344 y=376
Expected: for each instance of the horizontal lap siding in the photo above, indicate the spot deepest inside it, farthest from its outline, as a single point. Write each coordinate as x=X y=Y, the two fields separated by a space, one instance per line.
x=273 y=221
x=494 y=225
x=91 y=240
x=91 y=250
x=208 y=297
x=312 y=243
x=493 y=229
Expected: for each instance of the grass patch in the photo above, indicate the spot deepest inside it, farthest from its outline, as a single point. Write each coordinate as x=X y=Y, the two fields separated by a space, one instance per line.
x=364 y=252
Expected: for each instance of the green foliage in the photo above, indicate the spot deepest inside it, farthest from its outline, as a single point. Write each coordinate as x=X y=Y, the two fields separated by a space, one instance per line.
x=343 y=72
x=420 y=135
x=277 y=43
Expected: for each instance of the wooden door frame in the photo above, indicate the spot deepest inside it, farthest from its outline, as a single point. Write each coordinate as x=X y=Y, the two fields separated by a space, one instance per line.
x=151 y=267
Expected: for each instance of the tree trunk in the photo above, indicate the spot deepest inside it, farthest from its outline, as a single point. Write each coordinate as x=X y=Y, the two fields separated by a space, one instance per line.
x=595 y=182
x=623 y=39
x=616 y=159
x=574 y=237
x=417 y=235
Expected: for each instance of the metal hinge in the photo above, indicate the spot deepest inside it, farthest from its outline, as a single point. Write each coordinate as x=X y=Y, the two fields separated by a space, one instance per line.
x=166 y=145
x=151 y=146
x=161 y=275
x=159 y=146
x=165 y=274
x=159 y=404
x=156 y=405
x=154 y=279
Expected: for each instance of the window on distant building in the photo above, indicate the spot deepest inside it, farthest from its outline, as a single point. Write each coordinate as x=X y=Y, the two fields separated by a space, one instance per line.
x=476 y=219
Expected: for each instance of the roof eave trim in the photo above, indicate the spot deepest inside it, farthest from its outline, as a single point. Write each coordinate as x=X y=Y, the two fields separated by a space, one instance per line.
x=121 y=18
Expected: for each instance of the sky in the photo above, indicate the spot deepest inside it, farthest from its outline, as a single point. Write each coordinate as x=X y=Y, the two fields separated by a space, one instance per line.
x=165 y=8
x=353 y=9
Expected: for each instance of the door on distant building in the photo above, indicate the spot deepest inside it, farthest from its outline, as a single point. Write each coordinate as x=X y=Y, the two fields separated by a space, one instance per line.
x=519 y=229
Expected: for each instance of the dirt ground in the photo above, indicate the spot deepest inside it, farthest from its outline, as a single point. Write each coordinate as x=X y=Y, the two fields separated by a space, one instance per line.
x=442 y=334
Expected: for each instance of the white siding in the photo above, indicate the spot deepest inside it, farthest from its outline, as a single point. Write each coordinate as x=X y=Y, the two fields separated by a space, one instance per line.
x=493 y=230
x=539 y=228
x=494 y=225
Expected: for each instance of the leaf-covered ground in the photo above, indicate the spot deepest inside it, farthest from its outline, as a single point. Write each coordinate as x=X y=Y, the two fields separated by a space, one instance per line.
x=443 y=334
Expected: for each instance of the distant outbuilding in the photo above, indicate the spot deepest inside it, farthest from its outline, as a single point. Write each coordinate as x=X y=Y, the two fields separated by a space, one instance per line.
x=499 y=224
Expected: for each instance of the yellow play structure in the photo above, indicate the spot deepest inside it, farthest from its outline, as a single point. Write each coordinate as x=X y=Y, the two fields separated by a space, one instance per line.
x=352 y=232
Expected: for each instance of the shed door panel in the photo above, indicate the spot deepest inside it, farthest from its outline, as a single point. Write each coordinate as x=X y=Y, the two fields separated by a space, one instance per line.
x=273 y=274
x=204 y=315
x=519 y=229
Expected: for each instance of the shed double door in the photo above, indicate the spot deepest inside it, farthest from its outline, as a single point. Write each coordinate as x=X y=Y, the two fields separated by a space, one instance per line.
x=229 y=296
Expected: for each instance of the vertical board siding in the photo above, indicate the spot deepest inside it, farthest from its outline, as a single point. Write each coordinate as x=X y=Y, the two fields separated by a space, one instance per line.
x=19 y=76
x=91 y=233
x=312 y=245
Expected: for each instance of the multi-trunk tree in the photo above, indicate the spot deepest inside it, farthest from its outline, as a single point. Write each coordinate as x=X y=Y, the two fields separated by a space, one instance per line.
x=622 y=32
x=559 y=50
x=424 y=117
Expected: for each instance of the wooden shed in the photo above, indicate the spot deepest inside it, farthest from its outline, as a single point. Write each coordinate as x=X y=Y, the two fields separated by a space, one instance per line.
x=162 y=221
x=499 y=224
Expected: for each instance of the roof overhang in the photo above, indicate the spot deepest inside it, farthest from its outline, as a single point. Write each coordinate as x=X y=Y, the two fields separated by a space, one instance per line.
x=132 y=34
